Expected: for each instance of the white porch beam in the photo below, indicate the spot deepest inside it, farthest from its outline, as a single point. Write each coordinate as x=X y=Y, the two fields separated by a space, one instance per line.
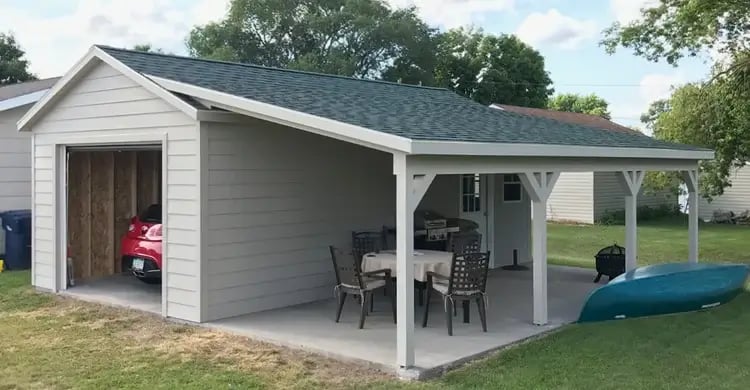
x=539 y=186
x=456 y=165
x=691 y=181
x=410 y=189
x=631 y=182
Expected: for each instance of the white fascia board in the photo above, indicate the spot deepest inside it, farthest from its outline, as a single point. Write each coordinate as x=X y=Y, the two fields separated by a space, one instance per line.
x=79 y=70
x=307 y=122
x=539 y=150
x=18 y=101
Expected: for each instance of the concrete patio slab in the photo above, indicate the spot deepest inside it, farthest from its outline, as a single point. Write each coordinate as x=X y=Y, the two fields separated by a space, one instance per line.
x=119 y=290
x=312 y=326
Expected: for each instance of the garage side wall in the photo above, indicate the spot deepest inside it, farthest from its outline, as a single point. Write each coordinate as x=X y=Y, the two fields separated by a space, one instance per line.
x=276 y=199
x=106 y=107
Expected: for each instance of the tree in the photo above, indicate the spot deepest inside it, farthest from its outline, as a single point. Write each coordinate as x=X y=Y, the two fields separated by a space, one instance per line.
x=147 y=48
x=655 y=110
x=492 y=68
x=360 y=38
x=13 y=64
x=584 y=104
x=714 y=113
x=672 y=29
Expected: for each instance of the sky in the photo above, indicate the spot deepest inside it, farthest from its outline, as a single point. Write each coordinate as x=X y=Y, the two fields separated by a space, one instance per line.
x=56 y=33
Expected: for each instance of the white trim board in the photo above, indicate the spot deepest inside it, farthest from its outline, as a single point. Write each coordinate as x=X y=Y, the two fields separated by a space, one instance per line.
x=457 y=148
x=22 y=100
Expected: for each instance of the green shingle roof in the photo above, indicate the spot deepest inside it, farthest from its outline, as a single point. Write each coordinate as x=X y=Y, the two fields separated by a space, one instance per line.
x=417 y=113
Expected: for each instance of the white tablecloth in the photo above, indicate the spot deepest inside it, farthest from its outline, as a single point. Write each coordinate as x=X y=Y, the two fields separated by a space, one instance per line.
x=424 y=261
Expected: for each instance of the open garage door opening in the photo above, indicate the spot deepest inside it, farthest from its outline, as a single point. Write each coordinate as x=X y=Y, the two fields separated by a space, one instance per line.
x=114 y=231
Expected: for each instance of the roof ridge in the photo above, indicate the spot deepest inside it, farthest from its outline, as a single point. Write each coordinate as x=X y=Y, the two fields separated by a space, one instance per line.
x=249 y=65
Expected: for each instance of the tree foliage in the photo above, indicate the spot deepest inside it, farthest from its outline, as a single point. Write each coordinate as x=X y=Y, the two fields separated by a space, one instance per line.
x=361 y=38
x=14 y=68
x=147 y=48
x=492 y=68
x=369 y=39
x=714 y=114
x=584 y=104
x=672 y=29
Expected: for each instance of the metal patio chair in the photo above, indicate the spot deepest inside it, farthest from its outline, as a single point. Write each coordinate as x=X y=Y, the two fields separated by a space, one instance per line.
x=465 y=242
x=364 y=242
x=467 y=282
x=350 y=280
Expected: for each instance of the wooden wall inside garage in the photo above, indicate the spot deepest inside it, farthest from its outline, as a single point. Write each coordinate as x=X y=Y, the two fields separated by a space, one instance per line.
x=105 y=189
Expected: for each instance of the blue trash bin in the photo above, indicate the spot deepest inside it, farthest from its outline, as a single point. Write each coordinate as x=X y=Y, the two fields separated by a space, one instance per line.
x=17 y=227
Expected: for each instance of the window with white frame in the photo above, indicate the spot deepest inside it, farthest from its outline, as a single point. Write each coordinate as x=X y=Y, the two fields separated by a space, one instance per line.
x=471 y=196
x=512 y=190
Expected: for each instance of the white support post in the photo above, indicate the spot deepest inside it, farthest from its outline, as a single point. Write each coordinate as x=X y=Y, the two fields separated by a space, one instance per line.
x=691 y=181
x=410 y=189
x=631 y=182
x=539 y=186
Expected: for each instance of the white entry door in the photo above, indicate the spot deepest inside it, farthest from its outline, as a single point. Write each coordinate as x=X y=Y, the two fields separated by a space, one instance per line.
x=473 y=203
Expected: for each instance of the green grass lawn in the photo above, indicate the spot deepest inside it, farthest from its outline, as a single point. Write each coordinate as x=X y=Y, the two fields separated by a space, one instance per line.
x=48 y=341
x=659 y=241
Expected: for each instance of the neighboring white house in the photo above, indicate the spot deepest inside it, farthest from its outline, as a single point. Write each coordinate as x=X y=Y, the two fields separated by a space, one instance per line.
x=735 y=198
x=586 y=196
x=263 y=168
x=15 y=147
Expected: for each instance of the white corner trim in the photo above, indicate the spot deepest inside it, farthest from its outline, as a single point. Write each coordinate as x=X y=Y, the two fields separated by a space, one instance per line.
x=539 y=150
x=22 y=100
x=300 y=120
x=77 y=72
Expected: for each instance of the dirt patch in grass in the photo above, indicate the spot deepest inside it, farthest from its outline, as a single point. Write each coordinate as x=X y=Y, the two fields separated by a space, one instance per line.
x=130 y=342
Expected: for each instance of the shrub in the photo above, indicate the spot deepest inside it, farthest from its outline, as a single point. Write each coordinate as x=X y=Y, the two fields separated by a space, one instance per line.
x=645 y=213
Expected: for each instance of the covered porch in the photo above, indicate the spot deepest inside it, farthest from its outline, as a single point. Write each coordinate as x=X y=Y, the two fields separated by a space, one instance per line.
x=538 y=173
x=311 y=327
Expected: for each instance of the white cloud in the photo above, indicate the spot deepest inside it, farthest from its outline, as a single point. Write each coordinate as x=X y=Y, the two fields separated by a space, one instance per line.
x=657 y=86
x=557 y=29
x=455 y=13
x=54 y=43
x=626 y=11
x=628 y=106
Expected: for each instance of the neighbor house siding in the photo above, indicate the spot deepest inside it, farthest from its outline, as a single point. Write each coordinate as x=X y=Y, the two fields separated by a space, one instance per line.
x=276 y=199
x=609 y=195
x=107 y=106
x=15 y=165
x=735 y=198
x=572 y=198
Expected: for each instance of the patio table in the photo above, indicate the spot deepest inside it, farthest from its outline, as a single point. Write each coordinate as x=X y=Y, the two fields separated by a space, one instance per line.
x=424 y=261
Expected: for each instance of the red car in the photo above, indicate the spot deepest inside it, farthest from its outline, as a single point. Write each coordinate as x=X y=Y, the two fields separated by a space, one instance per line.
x=141 y=246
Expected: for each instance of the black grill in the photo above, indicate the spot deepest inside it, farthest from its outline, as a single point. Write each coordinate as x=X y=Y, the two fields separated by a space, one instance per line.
x=610 y=261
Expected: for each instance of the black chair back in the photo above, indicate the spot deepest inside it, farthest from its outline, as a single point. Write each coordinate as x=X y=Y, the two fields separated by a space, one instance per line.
x=366 y=242
x=347 y=268
x=465 y=242
x=469 y=273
